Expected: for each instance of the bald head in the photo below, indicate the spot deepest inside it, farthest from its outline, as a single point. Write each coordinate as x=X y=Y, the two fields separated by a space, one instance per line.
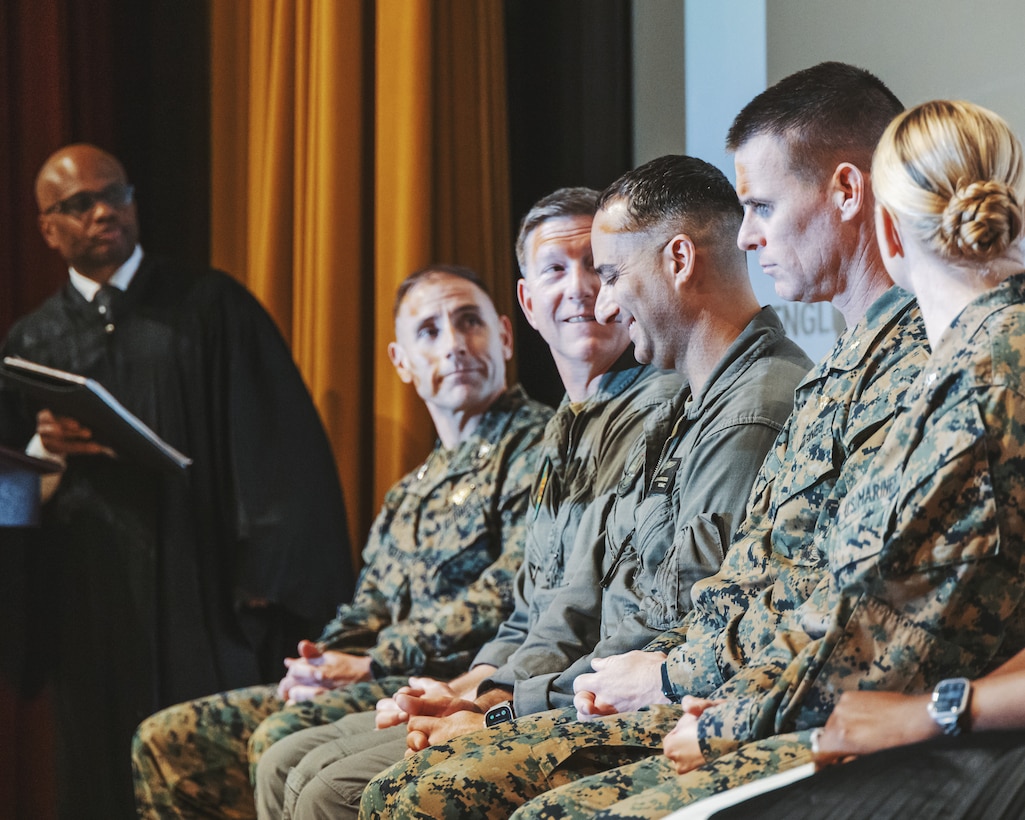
x=86 y=211
x=64 y=165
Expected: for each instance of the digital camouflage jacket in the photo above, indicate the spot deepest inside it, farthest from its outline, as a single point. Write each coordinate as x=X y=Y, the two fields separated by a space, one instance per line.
x=444 y=550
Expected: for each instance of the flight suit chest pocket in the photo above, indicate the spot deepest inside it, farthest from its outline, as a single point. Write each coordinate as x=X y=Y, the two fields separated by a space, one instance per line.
x=696 y=553
x=653 y=540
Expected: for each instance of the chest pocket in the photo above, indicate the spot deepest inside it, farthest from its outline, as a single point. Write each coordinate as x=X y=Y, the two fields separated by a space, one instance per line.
x=652 y=544
x=554 y=522
x=946 y=513
x=461 y=547
x=926 y=503
x=696 y=553
x=801 y=486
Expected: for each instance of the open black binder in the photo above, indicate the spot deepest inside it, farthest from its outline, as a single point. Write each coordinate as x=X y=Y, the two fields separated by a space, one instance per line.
x=90 y=403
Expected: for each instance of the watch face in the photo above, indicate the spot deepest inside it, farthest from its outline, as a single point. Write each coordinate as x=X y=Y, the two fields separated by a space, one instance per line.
x=949 y=696
x=498 y=714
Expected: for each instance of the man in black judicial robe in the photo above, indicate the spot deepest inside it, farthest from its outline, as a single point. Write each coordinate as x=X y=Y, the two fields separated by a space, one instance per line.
x=165 y=585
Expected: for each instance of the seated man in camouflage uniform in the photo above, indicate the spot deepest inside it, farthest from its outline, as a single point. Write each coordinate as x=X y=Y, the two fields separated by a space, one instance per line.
x=608 y=396
x=802 y=149
x=438 y=566
x=665 y=247
x=926 y=558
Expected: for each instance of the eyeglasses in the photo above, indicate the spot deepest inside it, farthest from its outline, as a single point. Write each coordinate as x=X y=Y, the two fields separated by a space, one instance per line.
x=117 y=195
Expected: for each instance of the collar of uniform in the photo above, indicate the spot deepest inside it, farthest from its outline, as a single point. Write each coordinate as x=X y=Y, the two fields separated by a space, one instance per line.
x=968 y=321
x=473 y=452
x=621 y=376
x=121 y=278
x=965 y=325
x=763 y=329
x=854 y=343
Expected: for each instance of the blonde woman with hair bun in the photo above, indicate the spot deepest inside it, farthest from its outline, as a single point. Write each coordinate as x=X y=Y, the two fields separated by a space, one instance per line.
x=949 y=183
x=928 y=549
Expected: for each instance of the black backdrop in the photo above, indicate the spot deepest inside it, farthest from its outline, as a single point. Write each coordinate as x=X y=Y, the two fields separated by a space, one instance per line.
x=570 y=120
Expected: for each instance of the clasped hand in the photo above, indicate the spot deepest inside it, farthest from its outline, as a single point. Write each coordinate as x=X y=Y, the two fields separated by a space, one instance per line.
x=434 y=711
x=681 y=745
x=315 y=672
x=621 y=683
x=433 y=696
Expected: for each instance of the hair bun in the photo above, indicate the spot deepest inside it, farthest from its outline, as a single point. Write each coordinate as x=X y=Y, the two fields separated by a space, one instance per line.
x=980 y=221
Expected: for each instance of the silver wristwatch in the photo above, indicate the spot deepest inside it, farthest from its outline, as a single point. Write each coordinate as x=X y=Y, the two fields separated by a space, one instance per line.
x=949 y=704
x=499 y=713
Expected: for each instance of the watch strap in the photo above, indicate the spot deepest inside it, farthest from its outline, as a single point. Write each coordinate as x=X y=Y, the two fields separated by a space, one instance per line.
x=668 y=690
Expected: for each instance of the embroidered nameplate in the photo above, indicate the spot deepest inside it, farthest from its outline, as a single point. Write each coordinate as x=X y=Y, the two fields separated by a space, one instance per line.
x=662 y=483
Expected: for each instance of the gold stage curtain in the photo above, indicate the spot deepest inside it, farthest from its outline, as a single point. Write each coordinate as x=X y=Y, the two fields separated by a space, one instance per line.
x=353 y=142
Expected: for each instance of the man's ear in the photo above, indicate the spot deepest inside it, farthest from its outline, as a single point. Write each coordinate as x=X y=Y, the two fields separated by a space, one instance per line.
x=398 y=359
x=47 y=230
x=888 y=235
x=526 y=300
x=678 y=257
x=505 y=333
x=849 y=190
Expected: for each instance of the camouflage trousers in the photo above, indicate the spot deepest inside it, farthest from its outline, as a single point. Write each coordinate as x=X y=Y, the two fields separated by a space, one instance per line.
x=652 y=789
x=197 y=759
x=491 y=773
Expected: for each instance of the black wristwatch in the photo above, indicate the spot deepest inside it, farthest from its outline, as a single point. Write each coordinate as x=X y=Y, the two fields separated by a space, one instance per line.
x=499 y=713
x=949 y=704
x=667 y=686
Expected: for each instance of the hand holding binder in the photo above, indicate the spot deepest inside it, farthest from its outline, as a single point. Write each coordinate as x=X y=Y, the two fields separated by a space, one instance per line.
x=65 y=436
x=89 y=403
